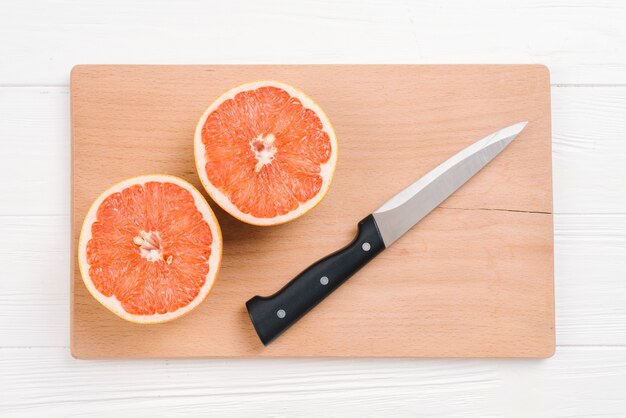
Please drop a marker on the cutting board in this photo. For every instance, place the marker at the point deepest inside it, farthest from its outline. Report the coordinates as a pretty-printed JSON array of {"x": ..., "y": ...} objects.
[{"x": 473, "y": 279}]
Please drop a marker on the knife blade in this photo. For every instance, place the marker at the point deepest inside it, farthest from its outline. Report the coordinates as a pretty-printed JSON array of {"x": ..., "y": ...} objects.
[{"x": 272, "y": 315}]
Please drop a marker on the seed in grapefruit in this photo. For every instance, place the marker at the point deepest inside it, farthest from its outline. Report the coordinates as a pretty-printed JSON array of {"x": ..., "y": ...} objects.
[
  {"x": 265, "y": 152},
  {"x": 150, "y": 248}
]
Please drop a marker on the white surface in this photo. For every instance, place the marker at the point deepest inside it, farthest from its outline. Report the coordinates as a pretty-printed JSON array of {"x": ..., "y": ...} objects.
[{"x": 584, "y": 44}]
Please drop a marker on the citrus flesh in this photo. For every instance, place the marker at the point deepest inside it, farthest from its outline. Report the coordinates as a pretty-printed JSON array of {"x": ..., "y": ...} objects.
[
  {"x": 150, "y": 248},
  {"x": 265, "y": 152}
]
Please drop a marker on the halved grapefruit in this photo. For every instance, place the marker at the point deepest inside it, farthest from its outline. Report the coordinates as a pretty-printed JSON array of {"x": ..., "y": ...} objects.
[
  {"x": 150, "y": 248},
  {"x": 265, "y": 152}
]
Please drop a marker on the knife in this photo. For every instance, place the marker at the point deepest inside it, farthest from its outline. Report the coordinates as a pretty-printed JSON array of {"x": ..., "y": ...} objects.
[{"x": 272, "y": 315}]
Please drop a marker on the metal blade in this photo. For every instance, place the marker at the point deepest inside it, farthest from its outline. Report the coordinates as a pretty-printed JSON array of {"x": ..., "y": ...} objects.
[{"x": 408, "y": 207}]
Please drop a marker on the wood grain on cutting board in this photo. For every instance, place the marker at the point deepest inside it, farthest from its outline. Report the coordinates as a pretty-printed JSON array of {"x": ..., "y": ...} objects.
[{"x": 473, "y": 279}]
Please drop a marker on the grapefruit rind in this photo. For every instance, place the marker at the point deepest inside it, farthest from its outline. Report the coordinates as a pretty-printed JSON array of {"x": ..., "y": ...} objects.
[
  {"x": 327, "y": 169},
  {"x": 111, "y": 302}
]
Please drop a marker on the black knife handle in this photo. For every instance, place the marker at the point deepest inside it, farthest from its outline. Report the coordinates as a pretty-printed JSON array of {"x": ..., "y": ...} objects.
[{"x": 272, "y": 315}]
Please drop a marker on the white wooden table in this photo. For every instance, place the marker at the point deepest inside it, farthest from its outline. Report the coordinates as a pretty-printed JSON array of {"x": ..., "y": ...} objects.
[{"x": 582, "y": 41}]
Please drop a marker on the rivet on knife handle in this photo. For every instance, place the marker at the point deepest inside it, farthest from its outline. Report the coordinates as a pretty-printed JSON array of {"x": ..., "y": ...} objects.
[{"x": 272, "y": 315}]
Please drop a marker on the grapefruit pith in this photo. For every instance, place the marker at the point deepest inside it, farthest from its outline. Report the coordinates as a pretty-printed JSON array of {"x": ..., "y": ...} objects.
[
  {"x": 150, "y": 248},
  {"x": 265, "y": 152}
]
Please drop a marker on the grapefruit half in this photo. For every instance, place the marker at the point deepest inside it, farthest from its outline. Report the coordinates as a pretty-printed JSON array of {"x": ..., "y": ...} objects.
[
  {"x": 150, "y": 248},
  {"x": 265, "y": 152}
]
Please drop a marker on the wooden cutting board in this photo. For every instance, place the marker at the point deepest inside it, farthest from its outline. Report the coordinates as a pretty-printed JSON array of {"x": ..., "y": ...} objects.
[{"x": 473, "y": 279}]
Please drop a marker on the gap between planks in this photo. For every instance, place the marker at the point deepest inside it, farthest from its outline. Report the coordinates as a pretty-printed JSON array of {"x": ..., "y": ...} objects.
[{"x": 555, "y": 85}]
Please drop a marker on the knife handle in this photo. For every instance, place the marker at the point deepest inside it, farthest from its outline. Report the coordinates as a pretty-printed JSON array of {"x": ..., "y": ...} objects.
[{"x": 272, "y": 315}]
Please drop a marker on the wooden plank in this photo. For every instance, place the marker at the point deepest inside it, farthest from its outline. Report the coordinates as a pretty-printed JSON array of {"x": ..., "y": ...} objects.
[
  {"x": 465, "y": 282},
  {"x": 582, "y": 41},
  {"x": 577, "y": 382},
  {"x": 589, "y": 273},
  {"x": 588, "y": 150}
]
